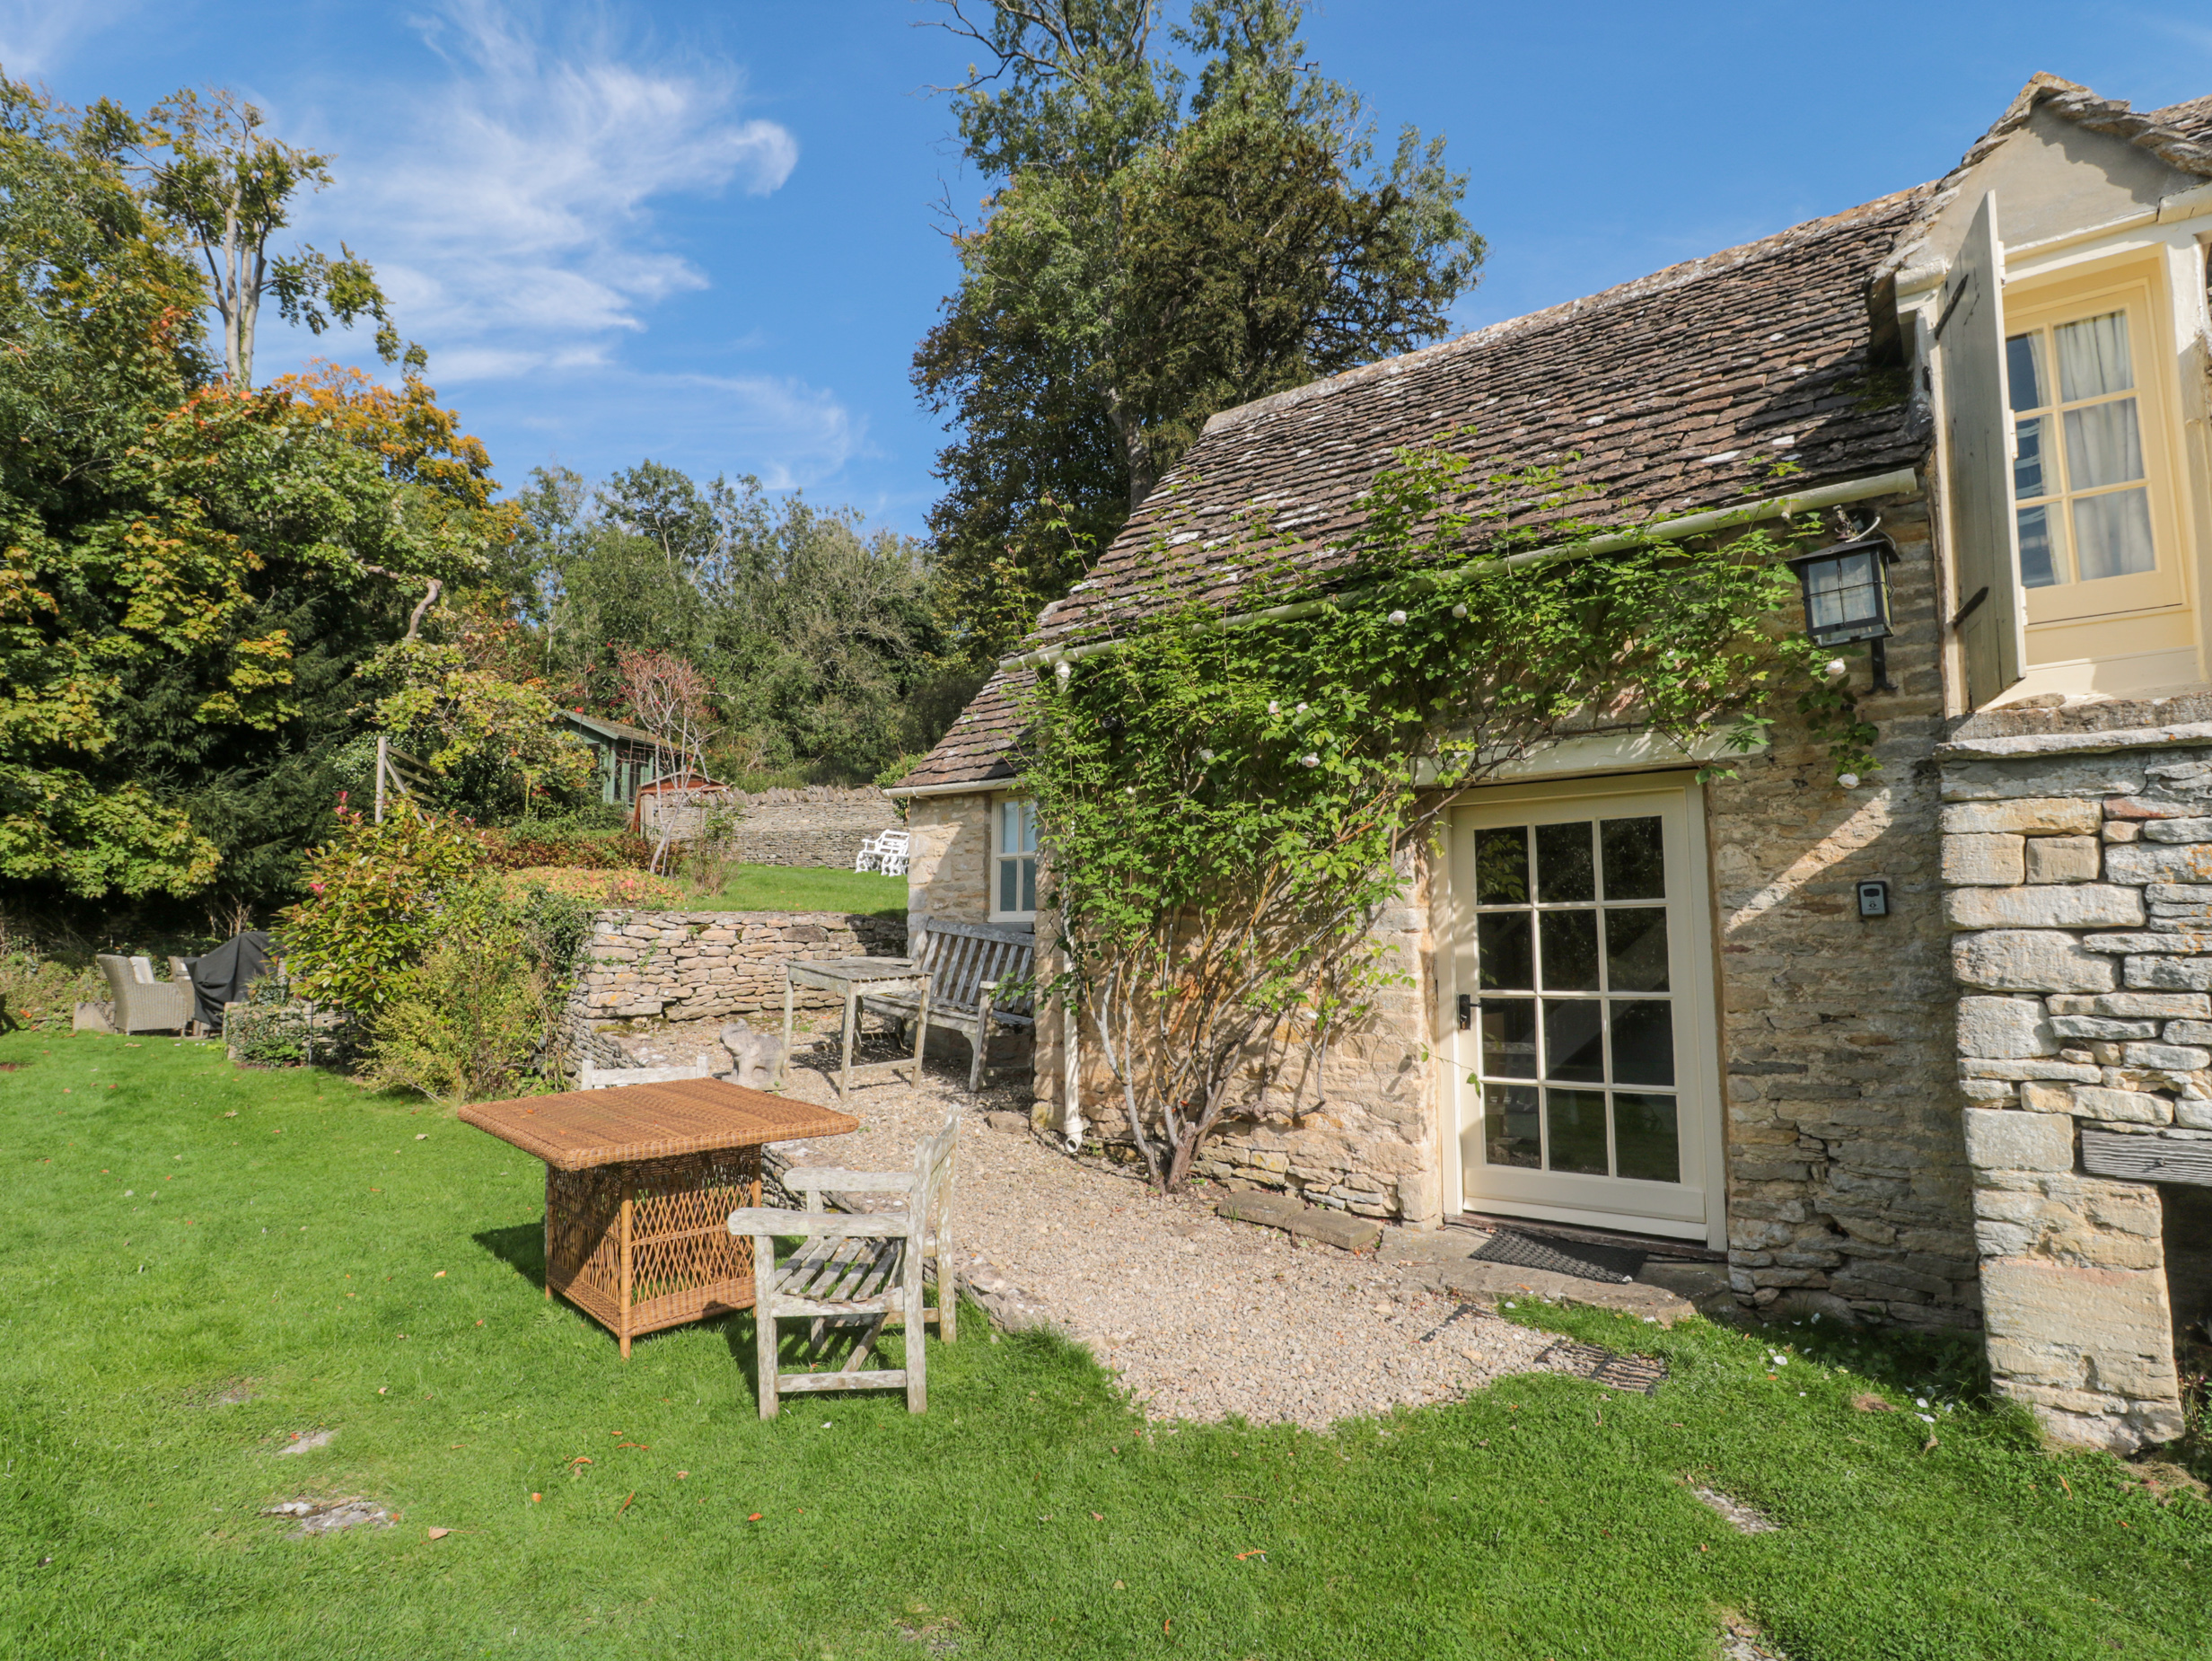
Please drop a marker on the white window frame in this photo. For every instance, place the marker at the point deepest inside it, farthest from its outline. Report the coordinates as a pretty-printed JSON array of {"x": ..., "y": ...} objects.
[
  {"x": 1024, "y": 812},
  {"x": 2132, "y": 292}
]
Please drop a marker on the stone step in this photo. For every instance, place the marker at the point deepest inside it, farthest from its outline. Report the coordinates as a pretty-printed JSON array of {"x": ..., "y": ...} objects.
[
  {"x": 1493, "y": 1283},
  {"x": 1271, "y": 1210}
]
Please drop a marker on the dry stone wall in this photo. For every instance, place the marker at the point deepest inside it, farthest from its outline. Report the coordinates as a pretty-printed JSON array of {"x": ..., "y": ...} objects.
[
  {"x": 706, "y": 965},
  {"x": 819, "y": 826},
  {"x": 2080, "y": 873}
]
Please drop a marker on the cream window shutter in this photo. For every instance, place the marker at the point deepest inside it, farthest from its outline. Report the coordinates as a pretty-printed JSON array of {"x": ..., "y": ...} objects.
[{"x": 1978, "y": 482}]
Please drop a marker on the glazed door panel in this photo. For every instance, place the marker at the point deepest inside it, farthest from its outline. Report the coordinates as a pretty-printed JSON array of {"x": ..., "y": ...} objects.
[{"x": 1582, "y": 1009}]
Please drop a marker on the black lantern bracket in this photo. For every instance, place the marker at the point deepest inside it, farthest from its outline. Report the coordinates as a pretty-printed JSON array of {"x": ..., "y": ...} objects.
[{"x": 1846, "y": 589}]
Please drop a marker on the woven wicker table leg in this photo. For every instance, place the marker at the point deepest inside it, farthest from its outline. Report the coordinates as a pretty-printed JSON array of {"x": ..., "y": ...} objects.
[
  {"x": 623, "y": 1303},
  {"x": 549, "y": 1233}
]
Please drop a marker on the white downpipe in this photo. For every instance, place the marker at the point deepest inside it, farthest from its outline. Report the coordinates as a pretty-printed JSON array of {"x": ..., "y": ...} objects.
[{"x": 1071, "y": 1074}]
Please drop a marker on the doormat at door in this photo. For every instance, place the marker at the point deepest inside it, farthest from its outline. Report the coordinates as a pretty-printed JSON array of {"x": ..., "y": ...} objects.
[{"x": 1590, "y": 1262}]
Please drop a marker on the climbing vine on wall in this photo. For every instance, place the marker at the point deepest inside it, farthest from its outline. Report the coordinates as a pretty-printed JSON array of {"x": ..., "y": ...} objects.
[{"x": 1230, "y": 811}]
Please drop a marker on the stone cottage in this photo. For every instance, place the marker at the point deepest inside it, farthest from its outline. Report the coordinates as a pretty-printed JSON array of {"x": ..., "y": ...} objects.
[{"x": 1929, "y": 1047}]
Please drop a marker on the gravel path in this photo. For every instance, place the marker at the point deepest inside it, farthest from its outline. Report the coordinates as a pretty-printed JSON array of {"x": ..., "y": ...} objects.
[{"x": 1202, "y": 1318}]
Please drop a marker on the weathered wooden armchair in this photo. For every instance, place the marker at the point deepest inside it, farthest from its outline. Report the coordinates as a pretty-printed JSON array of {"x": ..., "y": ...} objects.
[
  {"x": 142, "y": 1003},
  {"x": 856, "y": 1268},
  {"x": 969, "y": 964}
]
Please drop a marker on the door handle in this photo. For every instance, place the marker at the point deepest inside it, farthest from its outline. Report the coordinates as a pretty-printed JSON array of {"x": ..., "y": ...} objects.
[{"x": 1467, "y": 1010}]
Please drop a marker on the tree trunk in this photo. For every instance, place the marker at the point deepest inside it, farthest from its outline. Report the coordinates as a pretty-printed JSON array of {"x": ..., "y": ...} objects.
[{"x": 1135, "y": 450}]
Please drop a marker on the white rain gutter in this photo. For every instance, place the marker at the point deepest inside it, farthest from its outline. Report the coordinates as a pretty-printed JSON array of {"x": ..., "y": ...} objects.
[
  {"x": 1665, "y": 530},
  {"x": 970, "y": 788}
]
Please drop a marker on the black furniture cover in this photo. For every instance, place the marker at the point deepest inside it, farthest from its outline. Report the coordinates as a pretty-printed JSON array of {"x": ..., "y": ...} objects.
[{"x": 223, "y": 975}]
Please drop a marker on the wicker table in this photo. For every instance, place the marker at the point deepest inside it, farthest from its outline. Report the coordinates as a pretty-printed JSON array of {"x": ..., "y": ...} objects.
[
  {"x": 851, "y": 979},
  {"x": 639, "y": 1184}
]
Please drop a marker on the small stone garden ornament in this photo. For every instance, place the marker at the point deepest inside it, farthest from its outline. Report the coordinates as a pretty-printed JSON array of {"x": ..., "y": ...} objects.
[{"x": 757, "y": 1058}]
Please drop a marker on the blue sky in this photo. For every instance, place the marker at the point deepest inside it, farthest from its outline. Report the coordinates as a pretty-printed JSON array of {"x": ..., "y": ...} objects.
[{"x": 706, "y": 234}]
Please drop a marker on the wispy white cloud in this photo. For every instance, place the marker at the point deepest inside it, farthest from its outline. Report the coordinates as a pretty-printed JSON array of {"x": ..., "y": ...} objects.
[
  {"x": 788, "y": 434},
  {"x": 38, "y": 36},
  {"x": 510, "y": 206}
]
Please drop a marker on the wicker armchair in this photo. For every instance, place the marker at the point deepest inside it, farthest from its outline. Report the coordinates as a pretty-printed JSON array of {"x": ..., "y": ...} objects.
[{"x": 148, "y": 1005}]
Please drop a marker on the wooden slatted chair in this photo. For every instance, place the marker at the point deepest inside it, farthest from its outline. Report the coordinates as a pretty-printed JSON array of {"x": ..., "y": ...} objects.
[
  {"x": 857, "y": 1266},
  {"x": 969, "y": 964}
]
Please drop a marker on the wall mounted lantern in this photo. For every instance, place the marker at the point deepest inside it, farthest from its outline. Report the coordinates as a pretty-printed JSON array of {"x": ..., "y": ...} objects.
[{"x": 1846, "y": 595}]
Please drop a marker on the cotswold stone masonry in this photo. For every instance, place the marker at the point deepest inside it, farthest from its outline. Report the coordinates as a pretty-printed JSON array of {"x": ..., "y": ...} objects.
[
  {"x": 2081, "y": 886},
  {"x": 704, "y": 965},
  {"x": 818, "y": 826}
]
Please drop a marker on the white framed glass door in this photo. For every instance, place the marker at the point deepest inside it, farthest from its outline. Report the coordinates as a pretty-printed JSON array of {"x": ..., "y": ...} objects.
[{"x": 1581, "y": 1004}]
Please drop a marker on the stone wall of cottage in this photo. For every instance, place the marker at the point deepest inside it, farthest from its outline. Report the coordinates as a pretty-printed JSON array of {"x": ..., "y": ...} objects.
[
  {"x": 1848, "y": 1185},
  {"x": 1848, "y": 1190},
  {"x": 2080, "y": 863},
  {"x": 709, "y": 965},
  {"x": 949, "y": 857},
  {"x": 1360, "y": 1138}
]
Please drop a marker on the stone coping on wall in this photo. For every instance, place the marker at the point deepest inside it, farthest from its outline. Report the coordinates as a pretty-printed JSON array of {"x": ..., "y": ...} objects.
[{"x": 2077, "y": 867}]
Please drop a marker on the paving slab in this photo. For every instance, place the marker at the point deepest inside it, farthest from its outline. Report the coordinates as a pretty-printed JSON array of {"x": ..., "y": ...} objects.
[{"x": 1490, "y": 1284}]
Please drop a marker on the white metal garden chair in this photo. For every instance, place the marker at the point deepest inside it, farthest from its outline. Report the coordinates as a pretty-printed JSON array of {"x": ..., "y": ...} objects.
[
  {"x": 870, "y": 857},
  {"x": 890, "y": 852}
]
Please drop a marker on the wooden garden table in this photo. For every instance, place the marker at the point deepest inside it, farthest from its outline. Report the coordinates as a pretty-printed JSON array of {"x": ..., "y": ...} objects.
[
  {"x": 853, "y": 978},
  {"x": 639, "y": 1184}
]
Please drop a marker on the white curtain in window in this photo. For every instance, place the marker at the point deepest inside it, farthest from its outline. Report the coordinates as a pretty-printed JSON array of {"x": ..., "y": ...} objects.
[
  {"x": 2092, "y": 357},
  {"x": 2103, "y": 445},
  {"x": 2113, "y": 534}
]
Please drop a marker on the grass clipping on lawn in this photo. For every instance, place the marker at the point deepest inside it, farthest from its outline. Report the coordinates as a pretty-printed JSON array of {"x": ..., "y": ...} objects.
[{"x": 209, "y": 1264}]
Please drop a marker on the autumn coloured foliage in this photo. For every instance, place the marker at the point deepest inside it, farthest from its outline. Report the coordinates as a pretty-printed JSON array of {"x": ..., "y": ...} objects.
[{"x": 189, "y": 569}]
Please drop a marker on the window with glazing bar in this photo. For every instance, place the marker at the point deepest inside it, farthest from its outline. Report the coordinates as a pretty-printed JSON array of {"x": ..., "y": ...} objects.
[{"x": 1014, "y": 884}]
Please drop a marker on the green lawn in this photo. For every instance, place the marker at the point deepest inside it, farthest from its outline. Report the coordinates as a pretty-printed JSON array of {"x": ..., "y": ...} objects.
[
  {"x": 1028, "y": 1515},
  {"x": 801, "y": 888}
]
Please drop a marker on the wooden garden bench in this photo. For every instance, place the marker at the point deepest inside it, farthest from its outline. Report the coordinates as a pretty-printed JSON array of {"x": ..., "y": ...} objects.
[
  {"x": 968, "y": 965},
  {"x": 857, "y": 1266}
]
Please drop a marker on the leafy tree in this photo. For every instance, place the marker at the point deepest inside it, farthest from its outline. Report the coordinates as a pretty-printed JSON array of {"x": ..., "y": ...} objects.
[
  {"x": 215, "y": 174},
  {"x": 189, "y": 570},
  {"x": 1163, "y": 245},
  {"x": 818, "y": 639},
  {"x": 490, "y": 739}
]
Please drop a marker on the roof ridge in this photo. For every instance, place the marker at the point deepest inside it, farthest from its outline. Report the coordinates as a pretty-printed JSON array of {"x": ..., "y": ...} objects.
[
  {"x": 2077, "y": 103},
  {"x": 1661, "y": 281}
]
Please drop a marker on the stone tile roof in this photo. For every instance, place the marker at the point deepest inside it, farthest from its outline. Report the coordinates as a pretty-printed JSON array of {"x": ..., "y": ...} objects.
[
  {"x": 2192, "y": 119},
  {"x": 1671, "y": 394},
  {"x": 1668, "y": 395},
  {"x": 976, "y": 749}
]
